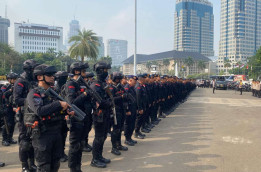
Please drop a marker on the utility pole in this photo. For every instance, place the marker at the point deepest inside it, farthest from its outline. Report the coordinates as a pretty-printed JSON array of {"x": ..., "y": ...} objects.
[{"x": 135, "y": 51}]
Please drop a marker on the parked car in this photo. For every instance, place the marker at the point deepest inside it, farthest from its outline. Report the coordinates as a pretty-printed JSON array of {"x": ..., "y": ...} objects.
[{"x": 221, "y": 83}]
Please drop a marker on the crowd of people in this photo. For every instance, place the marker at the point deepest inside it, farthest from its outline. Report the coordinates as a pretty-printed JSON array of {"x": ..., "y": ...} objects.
[{"x": 49, "y": 105}]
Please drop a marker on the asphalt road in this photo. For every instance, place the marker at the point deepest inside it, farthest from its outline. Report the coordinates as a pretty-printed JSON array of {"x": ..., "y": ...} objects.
[{"x": 209, "y": 132}]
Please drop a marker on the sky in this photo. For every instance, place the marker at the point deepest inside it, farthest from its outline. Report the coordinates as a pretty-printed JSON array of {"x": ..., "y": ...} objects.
[{"x": 111, "y": 19}]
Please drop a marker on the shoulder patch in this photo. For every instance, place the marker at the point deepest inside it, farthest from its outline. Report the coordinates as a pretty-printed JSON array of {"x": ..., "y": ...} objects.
[
  {"x": 20, "y": 84},
  {"x": 98, "y": 85}
]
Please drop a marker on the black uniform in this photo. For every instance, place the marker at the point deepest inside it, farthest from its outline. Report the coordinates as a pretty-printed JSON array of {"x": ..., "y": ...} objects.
[
  {"x": 75, "y": 96},
  {"x": 7, "y": 100},
  {"x": 46, "y": 137},
  {"x": 26, "y": 151},
  {"x": 130, "y": 120}
]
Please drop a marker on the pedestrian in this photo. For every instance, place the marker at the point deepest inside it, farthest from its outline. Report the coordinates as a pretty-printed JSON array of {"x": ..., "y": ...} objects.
[
  {"x": 241, "y": 87},
  {"x": 43, "y": 119}
]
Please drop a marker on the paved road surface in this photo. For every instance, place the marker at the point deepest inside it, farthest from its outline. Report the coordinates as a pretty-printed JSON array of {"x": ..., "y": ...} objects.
[{"x": 209, "y": 132}]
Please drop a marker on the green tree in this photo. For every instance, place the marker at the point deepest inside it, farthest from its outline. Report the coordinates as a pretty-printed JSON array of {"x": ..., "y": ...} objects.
[
  {"x": 188, "y": 62},
  {"x": 201, "y": 65},
  {"x": 227, "y": 64},
  {"x": 85, "y": 44}
]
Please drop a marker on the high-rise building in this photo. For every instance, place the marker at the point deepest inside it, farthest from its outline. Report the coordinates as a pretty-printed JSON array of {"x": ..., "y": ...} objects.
[
  {"x": 74, "y": 30},
  {"x": 101, "y": 47},
  {"x": 4, "y": 24},
  {"x": 240, "y": 31},
  {"x": 117, "y": 50},
  {"x": 38, "y": 38},
  {"x": 194, "y": 26}
]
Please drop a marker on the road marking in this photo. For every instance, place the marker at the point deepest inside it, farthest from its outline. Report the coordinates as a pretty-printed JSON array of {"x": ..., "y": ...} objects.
[{"x": 236, "y": 140}]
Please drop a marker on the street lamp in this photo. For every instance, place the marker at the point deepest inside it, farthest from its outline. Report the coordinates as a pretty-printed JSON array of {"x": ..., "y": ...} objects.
[{"x": 135, "y": 51}]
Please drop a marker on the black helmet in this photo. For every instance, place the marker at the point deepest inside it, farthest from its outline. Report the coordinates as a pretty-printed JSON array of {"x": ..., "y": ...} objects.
[
  {"x": 116, "y": 75},
  {"x": 89, "y": 74},
  {"x": 12, "y": 76},
  {"x": 101, "y": 65},
  {"x": 29, "y": 64},
  {"x": 44, "y": 70},
  {"x": 78, "y": 66},
  {"x": 61, "y": 74}
]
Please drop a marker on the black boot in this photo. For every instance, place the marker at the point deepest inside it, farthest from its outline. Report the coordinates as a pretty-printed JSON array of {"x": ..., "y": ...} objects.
[
  {"x": 76, "y": 169},
  {"x": 64, "y": 158},
  {"x": 129, "y": 142},
  {"x": 122, "y": 148},
  {"x": 97, "y": 163},
  {"x": 139, "y": 135},
  {"x": 32, "y": 166},
  {"x": 5, "y": 143},
  {"x": 133, "y": 141},
  {"x": 115, "y": 151},
  {"x": 2, "y": 164},
  {"x": 104, "y": 160},
  {"x": 12, "y": 141},
  {"x": 87, "y": 147},
  {"x": 25, "y": 167}
]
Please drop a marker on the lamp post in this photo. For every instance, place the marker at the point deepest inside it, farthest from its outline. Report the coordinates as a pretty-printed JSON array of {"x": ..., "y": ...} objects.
[{"x": 135, "y": 51}]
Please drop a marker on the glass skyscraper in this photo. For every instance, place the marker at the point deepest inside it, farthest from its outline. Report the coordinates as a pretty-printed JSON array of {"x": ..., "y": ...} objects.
[
  {"x": 74, "y": 30},
  {"x": 240, "y": 31},
  {"x": 4, "y": 24},
  {"x": 194, "y": 26}
]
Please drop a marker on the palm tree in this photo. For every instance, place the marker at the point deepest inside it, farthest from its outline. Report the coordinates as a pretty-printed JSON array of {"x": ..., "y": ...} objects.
[
  {"x": 148, "y": 65},
  {"x": 189, "y": 62},
  {"x": 201, "y": 65},
  {"x": 227, "y": 64},
  {"x": 85, "y": 44}
]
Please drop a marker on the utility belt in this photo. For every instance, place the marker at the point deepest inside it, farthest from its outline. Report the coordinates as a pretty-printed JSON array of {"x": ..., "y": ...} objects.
[{"x": 48, "y": 123}]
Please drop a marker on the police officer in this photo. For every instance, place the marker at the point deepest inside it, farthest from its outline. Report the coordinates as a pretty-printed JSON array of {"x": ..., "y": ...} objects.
[
  {"x": 7, "y": 101},
  {"x": 121, "y": 106},
  {"x": 141, "y": 103},
  {"x": 61, "y": 78},
  {"x": 130, "y": 119},
  {"x": 88, "y": 77},
  {"x": 101, "y": 115},
  {"x": 21, "y": 88},
  {"x": 75, "y": 95},
  {"x": 43, "y": 117}
]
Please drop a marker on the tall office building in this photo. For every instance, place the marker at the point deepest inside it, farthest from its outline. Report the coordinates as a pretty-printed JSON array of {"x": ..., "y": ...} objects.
[
  {"x": 4, "y": 24},
  {"x": 74, "y": 28},
  {"x": 37, "y": 38},
  {"x": 101, "y": 47},
  {"x": 240, "y": 31},
  {"x": 117, "y": 50},
  {"x": 194, "y": 26}
]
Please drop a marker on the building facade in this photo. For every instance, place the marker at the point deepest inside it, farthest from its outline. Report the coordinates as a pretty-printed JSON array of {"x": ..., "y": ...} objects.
[
  {"x": 4, "y": 24},
  {"x": 100, "y": 47},
  {"x": 194, "y": 26},
  {"x": 174, "y": 57},
  {"x": 240, "y": 31},
  {"x": 74, "y": 28},
  {"x": 38, "y": 38},
  {"x": 117, "y": 50}
]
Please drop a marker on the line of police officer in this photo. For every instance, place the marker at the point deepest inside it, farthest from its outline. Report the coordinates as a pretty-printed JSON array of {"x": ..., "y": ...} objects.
[{"x": 131, "y": 104}]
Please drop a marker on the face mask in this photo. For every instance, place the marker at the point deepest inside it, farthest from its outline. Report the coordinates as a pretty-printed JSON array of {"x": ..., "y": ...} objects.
[{"x": 102, "y": 76}]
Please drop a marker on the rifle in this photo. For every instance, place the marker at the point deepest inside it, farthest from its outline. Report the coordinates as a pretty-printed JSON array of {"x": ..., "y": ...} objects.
[
  {"x": 6, "y": 126},
  {"x": 93, "y": 93},
  {"x": 108, "y": 91},
  {"x": 79, "y": 115}
]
